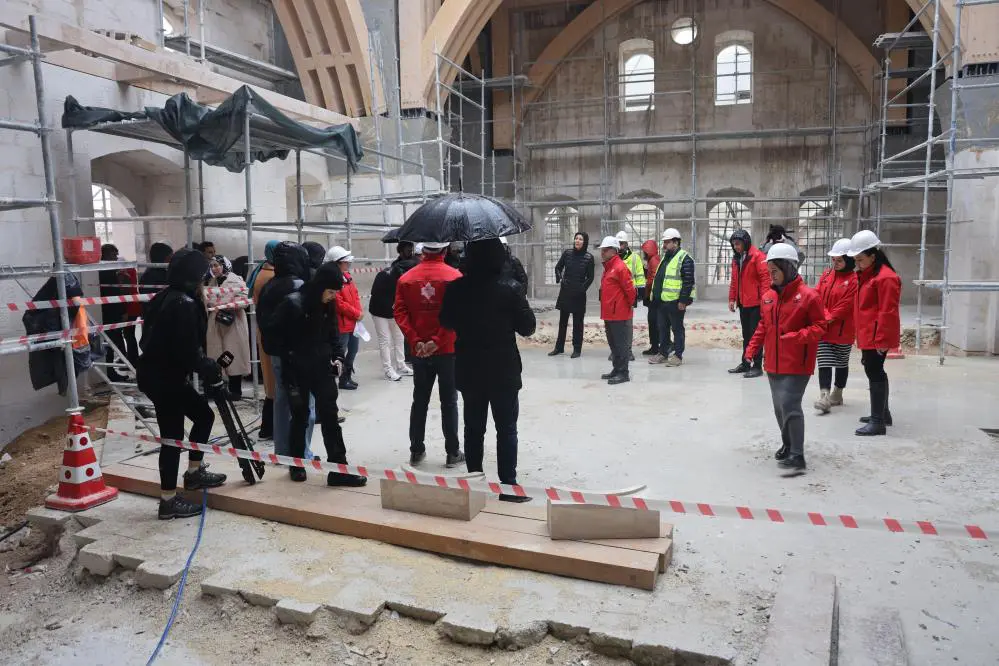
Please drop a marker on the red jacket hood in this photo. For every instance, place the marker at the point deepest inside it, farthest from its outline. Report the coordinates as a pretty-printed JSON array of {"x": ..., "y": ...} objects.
[{"x": 650, "y": 248}]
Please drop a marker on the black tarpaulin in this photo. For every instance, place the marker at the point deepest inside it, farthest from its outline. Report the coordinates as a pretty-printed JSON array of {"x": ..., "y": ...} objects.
[{"x": 215, "y": 136}]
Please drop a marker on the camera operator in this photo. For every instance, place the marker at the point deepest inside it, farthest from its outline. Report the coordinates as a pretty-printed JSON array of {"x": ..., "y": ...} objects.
[
  {"x": 311, "y": 359},
  {"x": 173, "y": 347}
]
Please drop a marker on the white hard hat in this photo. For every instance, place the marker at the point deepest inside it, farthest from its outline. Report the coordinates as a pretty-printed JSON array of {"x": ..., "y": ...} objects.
[
  {"x": 671, "y": 234},
  {"x": 840, "y": 248},
  {"x": 436, "y": 246},
  {"x": 783, "y": 251},
  {"x": 861, "y": 241},
  {"x": 622, "y": 236},
  {"x": 611, "y": 242},
  {"x": 504, "y": 240},
  {"x": 418, "y": 249},
  {"x": 337, "y": 253}
]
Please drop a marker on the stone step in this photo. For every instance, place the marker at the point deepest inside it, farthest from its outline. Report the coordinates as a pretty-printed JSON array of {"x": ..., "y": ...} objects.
[
  {"x": 870, "y": 636},
  {"x": 803, "y": 620}
]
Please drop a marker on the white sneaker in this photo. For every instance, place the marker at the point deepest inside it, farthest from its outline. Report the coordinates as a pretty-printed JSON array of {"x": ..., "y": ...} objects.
[
  {"x": 406, "y": 371},
  {"x": 392, "y": 375}
]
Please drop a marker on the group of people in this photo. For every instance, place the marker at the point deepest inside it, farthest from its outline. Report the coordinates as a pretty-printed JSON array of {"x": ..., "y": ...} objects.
[
  {"x": 458, "y": 327},
  {"x": 787, "y": 327}
]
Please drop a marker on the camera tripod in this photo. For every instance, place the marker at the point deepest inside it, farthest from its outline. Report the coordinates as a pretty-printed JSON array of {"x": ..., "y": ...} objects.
[{"x": 234, "y": 427}]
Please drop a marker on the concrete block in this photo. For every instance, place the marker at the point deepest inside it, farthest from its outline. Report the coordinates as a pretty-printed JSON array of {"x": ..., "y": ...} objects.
[
  {"x": 566, "y": 630},
  {"x": 128, "y": 558},
  {"x": 357, "y": 606},
  {"x": 292, "y": 611},
  {"x": 219, "y": 585},
  {"x": 431, "y": 500},
  {"x": 87, "y": 520},
  {"x": 48, "y": 519},
  {"x": 97, "y": 558},
  {"x": 468, "y": 628},
  {"x": 870, "y": 637},
  {"x": 417, "y": 612},
  {"x": 258, "y": 598},
  {"x": 802, "y": 621},
  {"x": 522, "y": 636},
  {"x": 87, "y": 536},
  {"x": 568, "y": 520},
  {"x": 158, "y": 575},
  {"x": 661, "y": 653},
  {"x": 610, "y": 643}
]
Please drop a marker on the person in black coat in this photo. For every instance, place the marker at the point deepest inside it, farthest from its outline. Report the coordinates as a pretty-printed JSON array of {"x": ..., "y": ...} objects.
[
  {"x": 112, "y": 283},
  {"x": 574, "y": 271},
  {"x": 154, "y": 278},
  {"x": 48, "y": 366},
  {"x": 513, "y": 271},
  {"x": 173, "y": 348},
  {"x": 391, "y": 342},
  {"x": 487, "y": 314},
  {"x": 311, "y": 359},
  {"x": 317, "y": 255}
]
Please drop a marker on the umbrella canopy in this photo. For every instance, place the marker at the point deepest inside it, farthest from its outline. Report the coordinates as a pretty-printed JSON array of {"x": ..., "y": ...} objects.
[
  {"x": 392, "y": 236},
  {"x": 460, "y": 217}
]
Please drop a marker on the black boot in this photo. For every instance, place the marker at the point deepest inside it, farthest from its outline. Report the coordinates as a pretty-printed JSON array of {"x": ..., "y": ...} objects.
[
  {"x": 887, "y": 417},
  {"x": 608, "y": 375},
  {"x": 298, "y": 474},
  {"x": 782, "y": 452},
  {"x": 753, "y": 372},
  {"x": 346, "y": 480},
  {"x": 556, "y": 352},
  {"x": 346, "y": 383},
  {"x": 576, "y": 353},
  {"x": 793, "y": 463},
  {"x": 879, "y": 400},
  {"x": 620, "y": 378},
  {"x": 266, "y": 420},
  {"x": 739, "y": 369}
]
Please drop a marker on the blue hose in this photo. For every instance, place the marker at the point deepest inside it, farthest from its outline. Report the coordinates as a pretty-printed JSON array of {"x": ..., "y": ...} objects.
[{"x": 183, "y": 580}]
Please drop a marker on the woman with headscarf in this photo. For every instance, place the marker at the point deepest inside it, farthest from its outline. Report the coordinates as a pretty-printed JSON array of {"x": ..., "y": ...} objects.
[
  {"x": 574, "y": 271},
  {"x": 262, "y": 274},
  {"x": 228, "y": 330},
  {"x": 838, "y": 289}
]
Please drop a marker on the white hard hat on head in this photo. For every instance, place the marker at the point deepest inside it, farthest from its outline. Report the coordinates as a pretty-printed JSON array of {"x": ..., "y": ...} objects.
[
  {"x": 622, "y": 236},
  {"x": 783, "y": 251},
  {"x": 840, "y": 248},
  {"x": 671, "y": 234},
  {"x": 436, "y": 246},
  {"x": 611, "y": 242},
  {"x": 337, "y": 253},
  {"x": 862, "y": 241},
  {"x": 504, "y": 240},
  {"x": 418, "y": 249}
]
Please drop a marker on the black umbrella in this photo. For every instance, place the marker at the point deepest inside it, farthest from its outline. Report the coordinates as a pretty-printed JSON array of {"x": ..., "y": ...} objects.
[
  {"x": 392, "y": 236},
  {"x": 460, "y": 217}
]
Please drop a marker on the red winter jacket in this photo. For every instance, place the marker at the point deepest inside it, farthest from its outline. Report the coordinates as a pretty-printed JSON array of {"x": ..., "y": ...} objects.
[
  {"x": 877, "y": 318},
  {"x": 617, "y": 291},
  {"x": 751, "y": 281},
  {"x": 838, "y": 290},
  {"x": 418, "y": 299},
  {"x": 131, "y": 277},
  {"x": 348, "y": 305},
  {"x": 651, "y": 250},
  {"x": 791, "y": 325}
]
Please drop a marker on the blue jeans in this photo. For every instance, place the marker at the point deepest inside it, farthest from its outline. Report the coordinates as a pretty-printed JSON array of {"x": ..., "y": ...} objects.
[
  {"x": 282, "y": 416},
  {"x": 350, "y": 343}
]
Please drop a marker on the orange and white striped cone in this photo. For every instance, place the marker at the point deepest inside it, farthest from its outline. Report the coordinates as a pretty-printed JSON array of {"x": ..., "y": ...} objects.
[{"x": 81, "y": 485}]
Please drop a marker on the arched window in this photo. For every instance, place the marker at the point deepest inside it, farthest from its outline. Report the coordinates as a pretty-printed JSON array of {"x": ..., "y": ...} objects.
[
  {"x": 561, "y": 224},
  {"x": 103, "y": 207},
  {"x": 724, "y": 218},
  {"x": 167, "y": 27},
  {"x": 819, "y": 226},
  {"x": 637, "y": 75},
  {"x": 734, "y": 75},
  {"x": 642, "y": 224}
]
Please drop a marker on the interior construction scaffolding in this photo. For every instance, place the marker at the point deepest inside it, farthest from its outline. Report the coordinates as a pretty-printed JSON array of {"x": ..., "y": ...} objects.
[
  {"x": 928, "y": 165},
  {"x": 665, "y": 132}
]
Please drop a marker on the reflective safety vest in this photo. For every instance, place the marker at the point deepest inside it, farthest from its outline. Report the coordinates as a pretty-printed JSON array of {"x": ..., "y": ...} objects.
[
  {"x": 637, "y": 268},
  {"x": 672, "y": 282},
  {"x": 81, "y": 336}
]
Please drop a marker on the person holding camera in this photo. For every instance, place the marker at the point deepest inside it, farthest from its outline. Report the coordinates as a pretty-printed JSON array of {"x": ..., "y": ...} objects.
[
  {"x": 228, "y": 330},
  {"x": 173, "y": 348},
  {"x": 312, "y": 357}
]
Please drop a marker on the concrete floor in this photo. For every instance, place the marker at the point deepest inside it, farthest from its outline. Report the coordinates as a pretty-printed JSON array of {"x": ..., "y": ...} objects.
[{"x": 698, "y": 434}]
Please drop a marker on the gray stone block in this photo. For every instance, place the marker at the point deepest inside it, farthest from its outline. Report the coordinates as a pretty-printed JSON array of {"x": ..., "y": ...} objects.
[
  {"x": 566, "y": 629},
  {"x": 258, "y": 598},
  {"x": 417, "y": 612},
  {"x": 358, "y": 606},
  {"x": 610, "y": 643},
  {"x": 219, "y": 585},
  {"x": 127, "y": 558},
  {"x": 158, "y": 575},
  {"x": 801, "y": 626},
  {"x": 521, "y": 636},
  {"x": 292, "y": 611},
  {"x": 678, "y": 645},
  {"x": 49, "y": 519},
  {"x": 97, "y": 559},
  {"x": 468, "y": 628},
  {"x": 870, "y": 636}
]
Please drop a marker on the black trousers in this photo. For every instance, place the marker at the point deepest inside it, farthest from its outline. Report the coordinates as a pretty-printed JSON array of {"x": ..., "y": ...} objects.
[
  {"x": 173, "y": 403},
  {"x": 672, "y": 336},
  {"x": 316, "y": 379},
  {"x": 619, "y": 337},
  {"x": 505, "y": 405},
  {"x": 874, "y": 364},
  {"x": 577, "y": 329},
  {"x": 826, "y": 377},
  {"x": 653, "y": 319},
  {"x": 425, "y": 372},
  {"x": 123, "y": 339},
  {"x": 750, "y": 319}
]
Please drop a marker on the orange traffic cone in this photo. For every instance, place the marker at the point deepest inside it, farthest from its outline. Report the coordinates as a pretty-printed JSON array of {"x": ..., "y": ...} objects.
[{"x": 81, "y": 485}]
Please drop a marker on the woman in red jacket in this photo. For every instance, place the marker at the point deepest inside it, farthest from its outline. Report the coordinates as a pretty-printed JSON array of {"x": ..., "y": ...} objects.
[
  {"x": 348, "y": 313},
  {"x": 879, "y": 329},
  {"x": 838, "y": 289},
  {"x": 792, "y": 322}
]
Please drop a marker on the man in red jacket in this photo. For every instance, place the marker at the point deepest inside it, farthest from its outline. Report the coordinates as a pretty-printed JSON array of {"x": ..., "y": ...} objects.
[
  {"x": 750, "y": 280},
  {"x": 617, "y": 304},
  {"x": 418, "y": 299},
  {"x": 791, "y": 324}
]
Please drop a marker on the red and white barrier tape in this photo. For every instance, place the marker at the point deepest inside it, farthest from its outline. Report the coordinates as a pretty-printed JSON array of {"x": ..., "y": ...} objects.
[
  {"x": 66, "y": 334},
  {"x": 814, "y": 519},
  {"x": 79, "y": 300},
  {"x": 689, "y": 327},
  {"x": 238, "y": 303}
]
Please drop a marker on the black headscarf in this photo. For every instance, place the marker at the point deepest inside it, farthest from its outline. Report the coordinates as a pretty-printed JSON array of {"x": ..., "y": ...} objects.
[
  {"x": 317, "y": 254},
  {"x": 484, "y": 259},
  {"x": 186, "y": 270},
  {"x": 328, "y": 276},
  {"x": 586, "y": 241}
]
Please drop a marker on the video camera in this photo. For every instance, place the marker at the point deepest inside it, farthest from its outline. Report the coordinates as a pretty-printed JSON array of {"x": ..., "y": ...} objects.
[{"x": 238, "y": 437}]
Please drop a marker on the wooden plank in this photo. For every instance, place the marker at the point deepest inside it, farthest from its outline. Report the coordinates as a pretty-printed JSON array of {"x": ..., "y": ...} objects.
[{"x": 355, "y": 514}]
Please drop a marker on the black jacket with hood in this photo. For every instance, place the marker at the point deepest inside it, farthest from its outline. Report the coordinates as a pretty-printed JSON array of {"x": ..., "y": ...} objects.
[
  {"x": 317, "y": 255},
  {"x": 487, "y": 314},
  {"x": 291, "y": 271},
  {"x": 513, "y": 272},
  {"x": 48, "y": 366},
  {"x": 311, "y": 337},
  {"x": 383, "y": 288},
  {"x": 174, "y": 326},
  {"x": 159, "y": 253},
  {"x": 574, "y": 271}
]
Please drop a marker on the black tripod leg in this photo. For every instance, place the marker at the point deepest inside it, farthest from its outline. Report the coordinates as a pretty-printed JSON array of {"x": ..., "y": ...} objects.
[{"x": 226, "y": 411}]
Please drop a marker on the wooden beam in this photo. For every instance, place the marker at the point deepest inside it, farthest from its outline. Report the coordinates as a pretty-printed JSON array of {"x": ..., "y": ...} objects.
[
  {"x": 174, "y": 67},
  {"x": 502, "y": 116}
]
